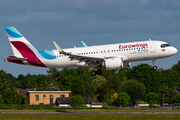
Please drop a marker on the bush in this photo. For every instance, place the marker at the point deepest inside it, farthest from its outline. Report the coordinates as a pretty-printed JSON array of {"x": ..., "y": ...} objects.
[
  {"x": 151, "y": 98},
  {"x": 123, "y": 98},
  {"x": 107, "y": 98},
  {"x": 77, "y": 101}
]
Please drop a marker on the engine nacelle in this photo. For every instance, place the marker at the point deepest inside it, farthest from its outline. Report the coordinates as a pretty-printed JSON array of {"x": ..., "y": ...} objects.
[
  {"x": 126, "y": 64},
  {"x": 113, "y": 63}
]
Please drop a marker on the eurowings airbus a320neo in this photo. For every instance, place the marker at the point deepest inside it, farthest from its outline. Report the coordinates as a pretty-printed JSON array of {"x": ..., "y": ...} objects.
[{"x": 111, "y": 57}]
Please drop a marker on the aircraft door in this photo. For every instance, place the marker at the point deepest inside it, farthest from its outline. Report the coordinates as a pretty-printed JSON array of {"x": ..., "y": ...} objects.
[{"x": 152, "y": 47}]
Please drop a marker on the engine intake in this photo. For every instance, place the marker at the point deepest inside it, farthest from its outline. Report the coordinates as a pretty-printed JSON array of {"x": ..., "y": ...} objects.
[{"x": 113, "y": 63}]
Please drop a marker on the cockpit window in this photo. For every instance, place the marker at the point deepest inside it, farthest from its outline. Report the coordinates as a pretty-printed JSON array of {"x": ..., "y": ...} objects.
[{"x": 164, "y": 45}]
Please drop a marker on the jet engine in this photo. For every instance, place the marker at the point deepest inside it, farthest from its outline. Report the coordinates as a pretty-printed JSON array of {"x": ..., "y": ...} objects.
[
  {"x": 126, "y": 64},
  {"x": 113, "y": 63}
]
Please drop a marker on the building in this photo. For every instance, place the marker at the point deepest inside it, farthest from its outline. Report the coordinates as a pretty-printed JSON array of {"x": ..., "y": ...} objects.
[
  {"x": 45, "y": 97},
  {"x": 24, "y": 91},
  {"x": 65, "y": 102}
]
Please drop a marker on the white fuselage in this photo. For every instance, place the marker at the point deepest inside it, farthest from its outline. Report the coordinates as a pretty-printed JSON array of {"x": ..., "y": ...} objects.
[{"x": 132, "y": 51}]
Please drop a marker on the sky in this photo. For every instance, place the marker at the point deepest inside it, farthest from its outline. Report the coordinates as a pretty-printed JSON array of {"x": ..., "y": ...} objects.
[{"x": 96, "y": 22}]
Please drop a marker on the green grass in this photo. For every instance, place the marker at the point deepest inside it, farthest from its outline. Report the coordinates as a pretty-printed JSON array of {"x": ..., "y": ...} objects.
[
  {"x": 89, "y": 116},
  {"x": 83, "y": 110},
  {"x": 84, "y": 116}
]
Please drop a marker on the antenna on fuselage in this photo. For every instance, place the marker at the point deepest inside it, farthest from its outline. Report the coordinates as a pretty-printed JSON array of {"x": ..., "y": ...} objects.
[{"x": 149, "y": 39}]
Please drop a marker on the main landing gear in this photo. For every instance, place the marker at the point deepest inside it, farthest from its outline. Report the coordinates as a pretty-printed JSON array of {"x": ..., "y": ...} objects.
[
  {"x": 154, "y": 63},
  {"x": 94, "y": 73}
]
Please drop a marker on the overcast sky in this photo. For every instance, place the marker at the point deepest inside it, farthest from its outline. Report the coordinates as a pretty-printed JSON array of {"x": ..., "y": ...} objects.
[{"x": 95, "y": 22}]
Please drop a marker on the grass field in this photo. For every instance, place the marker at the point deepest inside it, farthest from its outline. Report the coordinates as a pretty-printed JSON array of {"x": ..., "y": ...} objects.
[
  {"x": 98, "y": 116},
  {"x": 84, "y": 110},
  {"x": 88, "y": 116}
]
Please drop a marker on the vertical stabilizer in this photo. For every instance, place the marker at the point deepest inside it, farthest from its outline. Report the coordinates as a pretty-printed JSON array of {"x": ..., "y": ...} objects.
[
  {"x": 22, "y": 48},
  {"x": 18, "y": 41}
]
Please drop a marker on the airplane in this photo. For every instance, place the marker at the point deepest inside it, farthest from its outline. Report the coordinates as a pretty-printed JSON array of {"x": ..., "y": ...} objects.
[{"x": 111, "y": 56}]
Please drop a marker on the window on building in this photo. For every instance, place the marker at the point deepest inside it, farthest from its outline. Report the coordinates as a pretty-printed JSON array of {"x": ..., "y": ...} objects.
[
  {"x": 62, "y": 96},
  {"x": 36, "y": 97},
  {"x": 44, "y": 96},
  {"x": 51, "y": 96}
]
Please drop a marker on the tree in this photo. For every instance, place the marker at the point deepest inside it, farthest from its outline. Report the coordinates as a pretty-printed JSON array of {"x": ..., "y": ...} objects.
[
  {"x": 97, "y": 81},
  {"x": 176, "y": 67},
  {"x": 77, "y": 86},
  {"x": 4, "y": 80},
  {"x": 69, "y": 75},
  {"x": 76, "y": 101},
  {"x": 176, "y": 99},
  {"x": 113, "y": 84},
  {"x": 20, "y": 77},
  {"x": 123, "y": 98},
  {"x": 107, "y": 98},
  {"x": 146, "y": 74},
  {"x": 170, "y": 95},
  {"x": 114, "y": 98},
  {"x": 134, "y": 89},
  {"x": 65, "y": 79},
  {"x": 163, "y": 94},
  {"x": 21, "y": 99},
  {"x": 151, "y": 98},
  {"x": 170, "y": 78},
  {"x": 41, "y": 80},
  {"x": 1, "y": 99},
  {"x": 52, "y": 71},
  {"x": 10, "y": 96},
  {"x": 107, "y": 73}
]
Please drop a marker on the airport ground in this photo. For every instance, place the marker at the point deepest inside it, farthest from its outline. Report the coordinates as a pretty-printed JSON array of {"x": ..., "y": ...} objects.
[{"x": 89, "y": 114}]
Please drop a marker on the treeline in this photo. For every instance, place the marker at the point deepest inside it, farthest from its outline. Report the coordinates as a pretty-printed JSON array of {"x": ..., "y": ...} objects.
[{"x": 127, "y": 86}]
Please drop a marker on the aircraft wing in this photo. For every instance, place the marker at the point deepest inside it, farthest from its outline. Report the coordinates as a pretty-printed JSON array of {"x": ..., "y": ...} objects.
[
  {"x": 84, "y": 45},
  {"x": 82, "y": 58},
  {"x": 87, "y": 59}
]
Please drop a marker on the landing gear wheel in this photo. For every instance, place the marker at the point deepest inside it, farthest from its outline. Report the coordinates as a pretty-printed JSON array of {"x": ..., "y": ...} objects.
[
  {"x": 155, "y": 67},
  {"x": 99, "y": 72},
  {"x": 93, "y": 73}
]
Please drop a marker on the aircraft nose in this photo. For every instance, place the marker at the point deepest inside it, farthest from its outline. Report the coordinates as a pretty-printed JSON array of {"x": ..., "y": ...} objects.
[{"x": 174, "y": 50}]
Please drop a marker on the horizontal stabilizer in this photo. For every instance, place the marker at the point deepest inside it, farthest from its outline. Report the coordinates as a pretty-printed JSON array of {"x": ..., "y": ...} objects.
[{"x": 14, "y": 58}]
